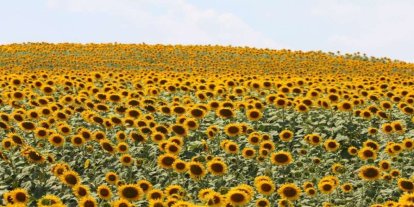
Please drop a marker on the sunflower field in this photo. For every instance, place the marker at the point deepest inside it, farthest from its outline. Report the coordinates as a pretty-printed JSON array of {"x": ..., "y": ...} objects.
[{"x": 181, "y": 126}]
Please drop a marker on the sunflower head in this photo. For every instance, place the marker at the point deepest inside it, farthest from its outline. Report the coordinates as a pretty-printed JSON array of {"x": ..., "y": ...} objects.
[
  {"x": 217, "y": 168},
  {"x": 289, "y": 191},
  {"x": 196, "y": 170},
  {"x": 286, "y": 135},
  {"x": 369, "y": 173},
  {"x": 131, "y": 192},
  {"x": 104, "y": 192},
  {"x": 281, "y": 158},
  {"x": 19, "y": 196}
]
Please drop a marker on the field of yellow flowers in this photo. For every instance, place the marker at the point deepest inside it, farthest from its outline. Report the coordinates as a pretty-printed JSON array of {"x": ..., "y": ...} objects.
[{"x": 180, "y": 126}]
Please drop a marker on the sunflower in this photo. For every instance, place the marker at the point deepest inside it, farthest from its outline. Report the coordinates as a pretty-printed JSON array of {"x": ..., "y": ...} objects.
[
  {"x": 217, "y": 168},
  {"x": 337, "y": 168},
  {"x": 56, "y": 140},
  {"x": 121, "y": 136},
  {"x": 155, "y": 194},
  {"x": 371, "y": 143},
  {"x": 104, "y": 192},
  {"x": 280, "y": 102},
  {"x": 161, "y": 145},
  {"x": 397, "y": 127},
  {"x": 352, "y": 150},
  {"x": 367, "y": 153},
  {"x": 232, "y": 129},
  {"x": 122, "y": 147},
  {"x": 248, "y": 153},
  {"x": 133, "y": 113},
  {"x": 115, "y": 98},
  {"x": 34, "y": 156},
  {"x": 396, "y": 148},
  {"x": 369, "y": 173},
  {"x": 181, "y": 203},
  {"x": 191, "y": 123},
  {"x": 126, "y": 160},
  {"x": 302, "y": 108},
  {"x": 310, "y": 191},
  {"x": 387, "y": 128},
  {"x": 166, "y": 160},
  {"x": 313, "y": 139},
  {"x": 269, "y": 145},
  {"x": 121, "y": 203},
  {"x": 395, "y": 173},
  {"x": 77, "y": 141},
  {"x": 17, "y": 95},
  {"x": 289, "y": 191},
  {"x": 408, "y": 144},
  {"x": 211, "y": 133},
  {"x": 327, "y": 204},
  {"x": 254, "y": 138},
  {"x": 20, "y": 196},
  {"x": 180, "y": 166},
  {"x": 346, "y": 187},
  {"x": 27, "y": 126},
  {"x": 384, "y": 165},
  {"x": 156, "y": 203},
  {"x": 237, "y": 197},
  {"x": 4, "y": 125},
  {"x": 203, "y": 194},
  {"x": 254, "y": 114},
  {"x": 85, "y": 134},
  {"x": 345, "y": 106},
  {"x": 156, "y": 137},
  {"x": 283, "y": 202},
  {"x": 64, "y": 129},
  {"x": 178, "y": 140},
  {"x": 408, "y": 110},
  {"x": 16, "y": 139},
  {"x": 281, "y": 158},
  {"x": 406, "y": 198},
  {"x": 70, "y": 178},
  {"x": 213, "y": 104},
  {"x": 225, "y": 112},
  {"x": 366, "y": 114},
  {"x": 405, "y": 185},
  {"x": 111, "y": 177},
  {"x": 7, "y": 143},
  {"x": 179, "y": 130},
  {"x": 331, "y": 145},
  {"x": 372, "y": 131},
  {"x": 107, "y": 146},
  {"x": 197, "y": 113},
  {"x": 174, "y": 190},
  {"x": 262, "y": 202},
  {"x": 131, "y": 192},
  {"x": 215, "y": 199},
  {"x": 307, "y": 184},
  {"x": 145, "y": 185},
  {"x": 172, "y": 148},
  {"x": 196, "y": 170},
  {"x": 49, "y": 200},
  {"x": 81, "y": 190},
  {"x": 178, "y": 110},
  {"x": 265, "y": 187},
  {"x": 286, "y": 135},
  {"x": 231, "y": 147},
  {"x": 389, "y": 204},
  {"x": 326, "y": 186},
  {"x": 59, "y": 168}
]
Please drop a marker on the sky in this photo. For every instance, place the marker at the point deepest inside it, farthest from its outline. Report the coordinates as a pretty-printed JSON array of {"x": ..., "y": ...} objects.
[{"x": 380, "y": 28}]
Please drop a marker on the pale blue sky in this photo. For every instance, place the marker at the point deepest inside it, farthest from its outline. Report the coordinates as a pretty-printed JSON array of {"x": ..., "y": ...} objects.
[{"x": 375, "y": 27}]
